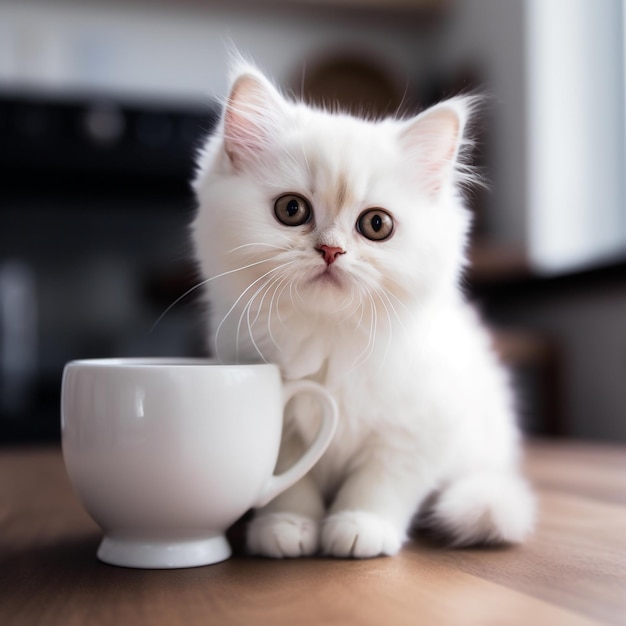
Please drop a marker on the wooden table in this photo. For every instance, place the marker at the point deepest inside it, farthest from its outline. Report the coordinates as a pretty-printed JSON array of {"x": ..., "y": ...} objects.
[{"x": 573, "y": 571}]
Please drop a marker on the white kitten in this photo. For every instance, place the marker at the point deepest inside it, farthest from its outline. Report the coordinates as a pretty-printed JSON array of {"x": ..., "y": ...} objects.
[{"x": 333, "y": 247}]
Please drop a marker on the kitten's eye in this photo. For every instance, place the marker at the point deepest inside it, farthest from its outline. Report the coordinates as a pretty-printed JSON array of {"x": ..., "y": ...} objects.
[
  {"x": 375, "y": 224},
  {"x": 292, "y": 210}
]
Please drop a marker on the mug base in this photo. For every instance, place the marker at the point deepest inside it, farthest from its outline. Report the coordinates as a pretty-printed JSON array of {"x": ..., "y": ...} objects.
[{"x": 163, "y": 555}]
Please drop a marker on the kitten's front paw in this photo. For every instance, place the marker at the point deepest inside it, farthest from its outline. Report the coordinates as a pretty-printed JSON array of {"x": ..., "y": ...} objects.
[
  {"x": 282, "y": 535},
  {"x": 359, "y": 535}
]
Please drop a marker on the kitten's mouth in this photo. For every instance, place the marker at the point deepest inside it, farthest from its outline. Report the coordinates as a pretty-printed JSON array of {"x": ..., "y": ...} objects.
[{"x": 329, "y": 275}]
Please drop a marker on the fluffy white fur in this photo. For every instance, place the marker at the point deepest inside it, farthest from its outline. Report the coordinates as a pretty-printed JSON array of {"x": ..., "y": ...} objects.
[{"x": 425, "y": 406}]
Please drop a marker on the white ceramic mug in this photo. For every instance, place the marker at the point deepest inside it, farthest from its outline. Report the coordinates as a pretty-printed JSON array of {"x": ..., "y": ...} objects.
[{"x": 166, "y": 454}]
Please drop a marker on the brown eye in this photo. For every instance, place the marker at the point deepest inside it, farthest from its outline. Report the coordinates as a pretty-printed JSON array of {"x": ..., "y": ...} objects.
[
  {"x": 375, "y": 224},
  {"x": 292, "y": 210}
]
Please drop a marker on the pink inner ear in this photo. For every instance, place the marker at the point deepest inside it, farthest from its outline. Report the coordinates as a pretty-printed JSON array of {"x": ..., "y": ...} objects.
[
  {"x": 248, "y": 119},
  {"x": 433, "y": 141}
]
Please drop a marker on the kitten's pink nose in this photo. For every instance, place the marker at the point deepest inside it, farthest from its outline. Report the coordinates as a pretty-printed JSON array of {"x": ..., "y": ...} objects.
[{"x": 330, "y": 253}]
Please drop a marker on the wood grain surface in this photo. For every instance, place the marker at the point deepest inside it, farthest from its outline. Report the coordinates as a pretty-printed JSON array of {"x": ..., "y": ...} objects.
[{"x": 572, "y": 571}]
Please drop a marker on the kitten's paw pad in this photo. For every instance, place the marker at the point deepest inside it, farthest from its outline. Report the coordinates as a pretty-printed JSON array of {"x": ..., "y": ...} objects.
[
  {"x": 486, "y": 509},
  {"x": 359, "y": 535},
  {"x": 282, "y": 535}
]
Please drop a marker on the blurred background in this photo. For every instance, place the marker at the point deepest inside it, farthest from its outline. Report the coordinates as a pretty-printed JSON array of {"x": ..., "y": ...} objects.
[{"x": 103, "y": 103}]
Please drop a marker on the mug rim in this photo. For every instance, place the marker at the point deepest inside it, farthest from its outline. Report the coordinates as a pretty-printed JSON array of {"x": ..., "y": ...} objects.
[{"x": 162, "y": 362}]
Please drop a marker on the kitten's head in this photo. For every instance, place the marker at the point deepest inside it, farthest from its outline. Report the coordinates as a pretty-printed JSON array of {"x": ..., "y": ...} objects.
[{"x": 336, "y": 210}]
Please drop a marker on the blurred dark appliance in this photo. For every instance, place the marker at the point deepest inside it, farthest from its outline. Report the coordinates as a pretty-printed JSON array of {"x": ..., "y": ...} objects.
[{"x": 94, "y": 208}]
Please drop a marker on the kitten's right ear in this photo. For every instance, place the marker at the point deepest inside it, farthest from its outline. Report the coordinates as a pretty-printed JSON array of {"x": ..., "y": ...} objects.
[
  {"x": 251, "y": 117},
  {"x": 436, "y": 143}
]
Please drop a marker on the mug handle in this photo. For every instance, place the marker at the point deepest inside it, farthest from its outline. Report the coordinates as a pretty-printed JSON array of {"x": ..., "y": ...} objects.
[{"x": 279, "y": 483}]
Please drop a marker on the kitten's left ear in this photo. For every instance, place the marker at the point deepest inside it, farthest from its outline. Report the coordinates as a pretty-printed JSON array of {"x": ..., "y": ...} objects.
[{"x": 434, "y": 139}]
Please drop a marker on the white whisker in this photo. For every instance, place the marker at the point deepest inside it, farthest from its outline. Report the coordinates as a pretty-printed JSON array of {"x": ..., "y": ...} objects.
[
  {"x": 347, "y": 306},
  {"x": 402, "y": 304},
  {"x": 368, "y": 351},
  {"x": 298, "y": 293},
  {"x": 248, "y": 245},
  {"x": 201, "y": 284},
  {"x": 386, "y": 294},
  {"x": 298, "y": 296},
  {"x": 250, "y": 333},
  {"x": 273, "y": 299},
  {"x": 280, "y": 294},
  {"x": 293, "y": 304},
  {"x": 379, "y": 293},
  {"x": 264, "y": 287},
  {"x": 402, "y": 285},
  {"x": 409, "y": 365},
  {"x": 360, "y": 320},
  {"x": 248, "y": 308},
  {"x": 374, "y": 328},
  {"x": 238, "y": 300},
  {"x": 275, "y": 280}
]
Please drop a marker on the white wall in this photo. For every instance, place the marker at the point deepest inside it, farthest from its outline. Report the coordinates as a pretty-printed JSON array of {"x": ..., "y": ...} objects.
[
  {"x": 554, "y": 71},
  {"x": 489, "y": 35},
  {"x": 180, "y": 51},
  {"x": 576, "y": 141}
]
